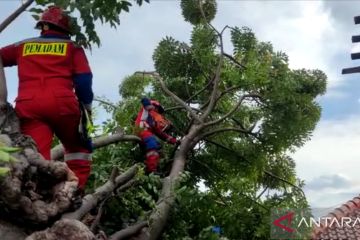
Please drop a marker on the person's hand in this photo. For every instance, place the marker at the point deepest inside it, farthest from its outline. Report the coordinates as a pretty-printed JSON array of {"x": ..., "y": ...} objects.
[{"x": 172, "y": 140}]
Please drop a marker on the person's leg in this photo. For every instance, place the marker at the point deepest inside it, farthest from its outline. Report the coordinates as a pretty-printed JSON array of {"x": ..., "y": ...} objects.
[
  {"x": 152, "y": 153},
  {"x": 77, "y": 157},
  {"x": 40, "y": 132}
]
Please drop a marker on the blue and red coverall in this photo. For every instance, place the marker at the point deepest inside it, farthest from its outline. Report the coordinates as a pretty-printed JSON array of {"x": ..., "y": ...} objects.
[
  {"x": 147, "y": 133},
  {"x": 54, "y": 75}
]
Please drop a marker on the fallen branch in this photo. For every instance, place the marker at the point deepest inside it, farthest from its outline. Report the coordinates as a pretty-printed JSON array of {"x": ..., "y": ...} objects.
[
  {"x": 98, "y": 215},
  {"x": 90, "y": 201},
  {"x": 129, "y": 231},
  {"x": 58, "y": 151}
]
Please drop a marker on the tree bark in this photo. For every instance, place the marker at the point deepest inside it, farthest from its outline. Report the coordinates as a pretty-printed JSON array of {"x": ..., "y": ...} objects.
[
  {"x": 128, "y": 232},
  {"x": 3, "y": 88},
  {"x": 159, "y": 216},
  {"x": 9, "y": 231},
  {"x": 22, "y": 190},
  {"x": 67, "y": 229}
]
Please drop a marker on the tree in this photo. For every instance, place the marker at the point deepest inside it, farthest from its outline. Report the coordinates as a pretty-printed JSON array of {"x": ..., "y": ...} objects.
[{"x": 239, "y": 114}]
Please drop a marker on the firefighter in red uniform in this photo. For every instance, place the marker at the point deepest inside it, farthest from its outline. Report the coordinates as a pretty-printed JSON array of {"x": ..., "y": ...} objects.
[
  {"x": 150, "y": 123},
  {"x": 54, "y": 79}
]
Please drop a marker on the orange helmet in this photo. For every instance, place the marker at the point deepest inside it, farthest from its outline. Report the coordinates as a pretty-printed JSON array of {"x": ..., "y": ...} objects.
[{"x": 55, "y": 16}]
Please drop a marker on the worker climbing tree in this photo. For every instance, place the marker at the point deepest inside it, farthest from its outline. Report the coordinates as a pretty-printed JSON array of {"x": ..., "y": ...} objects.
[{"x": 149, "y": 124}]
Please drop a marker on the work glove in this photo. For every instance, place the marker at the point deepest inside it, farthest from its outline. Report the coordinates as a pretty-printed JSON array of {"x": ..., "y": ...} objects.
[
  {"x": 76, "y": 201},
  {"x": 172, "y": 140},
  {"x": 178, "y": 142}
]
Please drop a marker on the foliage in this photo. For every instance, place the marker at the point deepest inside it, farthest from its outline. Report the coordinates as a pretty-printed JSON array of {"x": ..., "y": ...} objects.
[
  {"x": 245, "y": 172},
  {"x": 6, "y": 158},
  {"x": 193, "y": 10},
  {"x": 87, "y": 12}
]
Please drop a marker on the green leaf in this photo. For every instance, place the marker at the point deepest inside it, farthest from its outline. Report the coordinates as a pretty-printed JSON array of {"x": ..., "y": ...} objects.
[
  {"x": 4, "y": 156},
  {"x": 36, "y": 17},
  {"x": 4, "y": 171},
  {"x": 36, "y": 10},
  {"x": 10, "y": 149}
]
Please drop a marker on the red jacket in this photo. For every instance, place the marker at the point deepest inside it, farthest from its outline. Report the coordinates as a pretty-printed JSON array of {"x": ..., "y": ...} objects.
[
  {"x": 145, "y": 121},
  {"x": 63, "y": 61}
]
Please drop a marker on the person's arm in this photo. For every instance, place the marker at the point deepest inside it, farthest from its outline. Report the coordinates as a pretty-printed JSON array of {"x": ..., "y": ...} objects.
[
  {"x": 164, "y": 136},
  {"x": 83, "y": 89},
  {"x": 3, "y": 88},
  {"x": 8, "y": 57},
  {"x": 82, "y": 77}
]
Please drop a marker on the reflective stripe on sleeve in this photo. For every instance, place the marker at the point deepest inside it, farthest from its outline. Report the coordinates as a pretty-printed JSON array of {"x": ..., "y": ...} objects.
[{"x": 152, "y": 153}]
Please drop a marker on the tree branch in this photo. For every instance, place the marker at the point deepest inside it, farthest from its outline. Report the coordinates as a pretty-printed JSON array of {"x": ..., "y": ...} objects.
[
  {"x": 228, "y": 90},
  {"x": 180, "y": 107},
  {"x": 225, "y": 129},
  {"x": 113, "y": 106},
  {"x": 91, "y": 200},
  {"x": 98, "y": 215},
  {"x": 3, "y": 88},
  {"x": 126, "y": 186},
  {"x": 213, "y": 96},
  {"x": 285, "y": 181},
  {"x": 15, "y": 14},
  {"x": 214, "y": 92},
  {"x": 234, "y": 60},
  {"x": 58, "y": 151},
  {"x": 262, "y": 192},
  {"x": 129, "y": 231},
  {"x": 171, "y": 94},
  {"x": 158, "y": 218},
  {"x": 200, "y": 91},
  {"x": 232, "y": 110},
  {"x": 206, "y": 20}
]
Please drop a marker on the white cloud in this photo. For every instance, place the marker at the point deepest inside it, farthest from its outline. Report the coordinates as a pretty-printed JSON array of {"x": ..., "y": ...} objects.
[
  {"x": 333, "y": 150},
  {"x": 331, "y": 181}
]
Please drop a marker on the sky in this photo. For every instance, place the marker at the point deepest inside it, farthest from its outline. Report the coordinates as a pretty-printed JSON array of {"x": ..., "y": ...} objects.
[{"x": 314, "y": 34}]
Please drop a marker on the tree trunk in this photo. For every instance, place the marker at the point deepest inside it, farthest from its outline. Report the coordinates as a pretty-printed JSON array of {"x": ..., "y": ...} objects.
[
  {"x": 9, "y": 231},
  {"x": 160, "y": 215}
]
